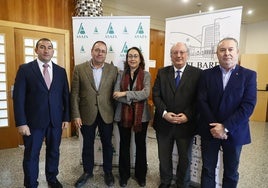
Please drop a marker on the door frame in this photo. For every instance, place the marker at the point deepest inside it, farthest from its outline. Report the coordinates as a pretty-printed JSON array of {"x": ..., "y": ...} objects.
[
  {"x": 13, "y": 26},
  {"x": 64, "y": 32}
]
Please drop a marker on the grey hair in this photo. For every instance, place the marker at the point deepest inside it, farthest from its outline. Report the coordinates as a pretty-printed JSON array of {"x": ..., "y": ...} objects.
[
  {"x": 187, "y": 49},
  {"x": 228, "y": 38}
]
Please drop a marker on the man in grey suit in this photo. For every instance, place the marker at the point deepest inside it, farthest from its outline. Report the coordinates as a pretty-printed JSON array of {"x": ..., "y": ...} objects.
[
  {"x": 174, "y": 119},
  {"x": 92, "y": 106}
]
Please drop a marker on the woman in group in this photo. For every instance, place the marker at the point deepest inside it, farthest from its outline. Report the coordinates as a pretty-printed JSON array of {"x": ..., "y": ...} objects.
[{"x": 132, "y": 113}]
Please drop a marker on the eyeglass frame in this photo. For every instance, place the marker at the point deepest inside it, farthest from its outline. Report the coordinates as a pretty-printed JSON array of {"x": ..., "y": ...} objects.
[
  {"x": 135, "y": 56},
  {"x": 97, "y": 50}
]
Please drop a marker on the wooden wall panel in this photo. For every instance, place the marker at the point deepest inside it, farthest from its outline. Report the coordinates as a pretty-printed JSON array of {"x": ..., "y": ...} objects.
[
  {"x": 258, "y": 63},
  {"x": 49, "y": 13},
  {"x": 157, "y": 47},
  {"x": 261, "y": 109}
]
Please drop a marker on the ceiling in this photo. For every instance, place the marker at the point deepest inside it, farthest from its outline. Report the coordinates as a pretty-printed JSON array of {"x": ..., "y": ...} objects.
[{"x": 162, "y": 9}]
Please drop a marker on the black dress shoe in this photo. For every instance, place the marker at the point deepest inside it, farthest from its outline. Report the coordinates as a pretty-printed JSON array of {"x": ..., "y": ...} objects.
[
  {"x": 141, "y": 183},
  {"x": 82, "y": 180},
  {"x": 123, "y": 183},
  {"x": 162, "y": 185},
  {"x": 109, "y": 179},
  {"x": 55, "y": 184}
]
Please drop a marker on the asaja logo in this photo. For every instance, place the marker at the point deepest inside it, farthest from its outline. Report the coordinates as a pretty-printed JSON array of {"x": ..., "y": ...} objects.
[
  {"x": 96, "y": 31},
  {"x": 82, "y": 49},
  {"x": 81, "y": 32},
  {"x": 140, "y": 32},
  {"x": 110, "y": 49},
  {"x": 110, "y": 32},
  {"x": 125, "y": 30},
  {"x": 124, "y": 50}
]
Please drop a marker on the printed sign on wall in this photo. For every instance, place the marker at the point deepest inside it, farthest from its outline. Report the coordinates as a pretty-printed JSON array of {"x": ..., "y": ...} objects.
[{"x": 118, "y": 32}]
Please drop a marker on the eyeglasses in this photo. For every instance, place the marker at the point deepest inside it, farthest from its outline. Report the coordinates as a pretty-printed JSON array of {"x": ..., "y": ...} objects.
[
  {"x": 97, "y": 50},
  {"x": 178, "y": 52},
  {"x": 133, "y": 56}
]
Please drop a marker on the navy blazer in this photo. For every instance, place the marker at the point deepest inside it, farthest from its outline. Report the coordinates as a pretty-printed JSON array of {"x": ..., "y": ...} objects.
[
  {"x": 178, "y": 100},
  {"x": 232, "y": 107},
  {"x": 34, "y": 104}
]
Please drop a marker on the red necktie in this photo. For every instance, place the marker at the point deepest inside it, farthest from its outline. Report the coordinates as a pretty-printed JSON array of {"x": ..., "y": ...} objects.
[{"x": 46, "y": 75}]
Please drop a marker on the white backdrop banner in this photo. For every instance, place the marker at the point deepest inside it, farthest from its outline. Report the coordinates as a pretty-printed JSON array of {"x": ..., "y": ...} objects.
[
  {"x": 201, "y": 32},
  {"x": 119, "y": 33}
]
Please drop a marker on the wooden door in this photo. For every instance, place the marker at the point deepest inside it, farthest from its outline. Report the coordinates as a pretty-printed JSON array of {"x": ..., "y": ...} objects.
[
  {"x": 9, "y": 136},
  {"x": 25, "y": 43},
  {"x": 19, "y": 47}
]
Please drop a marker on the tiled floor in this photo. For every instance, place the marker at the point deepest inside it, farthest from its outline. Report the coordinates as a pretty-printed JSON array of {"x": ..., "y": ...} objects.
[{"x": 253, "y": 166}]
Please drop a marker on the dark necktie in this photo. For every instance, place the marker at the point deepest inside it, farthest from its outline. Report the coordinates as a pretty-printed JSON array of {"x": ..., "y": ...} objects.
[
  {"x": 46, "y": 75},
  {"x": 177, "y": 79}
]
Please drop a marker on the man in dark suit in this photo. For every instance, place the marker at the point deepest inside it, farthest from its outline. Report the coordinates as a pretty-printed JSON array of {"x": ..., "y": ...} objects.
[
  {"x": 226, "y": 99},
  {"x": 41, "y": 111},
  {"x": 174, "y": 119},
  {"x": 92, "y": 106}
]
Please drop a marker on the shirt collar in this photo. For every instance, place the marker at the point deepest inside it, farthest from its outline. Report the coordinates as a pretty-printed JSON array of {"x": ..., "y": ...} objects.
[
  {"x": 92, "y": 66},
  {"x": 40, "y": 63},
  {"x": 181, "y": 70},
  {"x": 224, "y": 71}
]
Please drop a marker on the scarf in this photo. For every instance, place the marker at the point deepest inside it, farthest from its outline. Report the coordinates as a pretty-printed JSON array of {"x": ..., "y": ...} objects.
[{"x": 132, "y": 114}]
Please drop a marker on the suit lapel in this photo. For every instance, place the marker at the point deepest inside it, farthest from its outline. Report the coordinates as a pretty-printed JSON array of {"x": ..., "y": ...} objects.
[
  {"x": 231, "y": 85},
  {"x": 233, "y": 81},
  {"x": 218, "y": 79},
  {"x": 55, "y": 75},
  {"x": 89, "y": 74},
  {"x": 185, "y": 75},
  {"x": 171, "y": 78},
  {"x": 38, "y": 73},
  {"x": 105, "y": 71}
]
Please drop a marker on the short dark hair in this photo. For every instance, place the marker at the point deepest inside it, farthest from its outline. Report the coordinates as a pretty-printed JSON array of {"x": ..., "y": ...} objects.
[
  {"x": 43, "y": 39},
  {"x": 99, "y": 41}
]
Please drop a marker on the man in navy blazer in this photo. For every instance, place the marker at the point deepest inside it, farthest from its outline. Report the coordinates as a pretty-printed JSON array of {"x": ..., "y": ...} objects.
[
  {"x": 226, "y": 99},
  {"x": 174, "y": 119},
  {"x": 41, "y": 111}
]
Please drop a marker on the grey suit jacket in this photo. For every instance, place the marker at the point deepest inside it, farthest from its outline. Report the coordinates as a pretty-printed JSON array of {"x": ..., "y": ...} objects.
[
  {"x": 178, "y": 100},
  {"x": 86, "y": 100},
  {"x": 134, "y": 96}
]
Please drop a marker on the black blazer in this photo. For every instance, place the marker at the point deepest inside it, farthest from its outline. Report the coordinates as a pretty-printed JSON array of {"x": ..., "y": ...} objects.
[{"x": 180, "y": 100}]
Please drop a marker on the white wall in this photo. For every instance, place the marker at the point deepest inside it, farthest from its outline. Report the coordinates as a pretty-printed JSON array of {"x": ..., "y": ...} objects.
[
  {"x": 242, "y": 40},
  {"x": 256, "y": 38}
]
